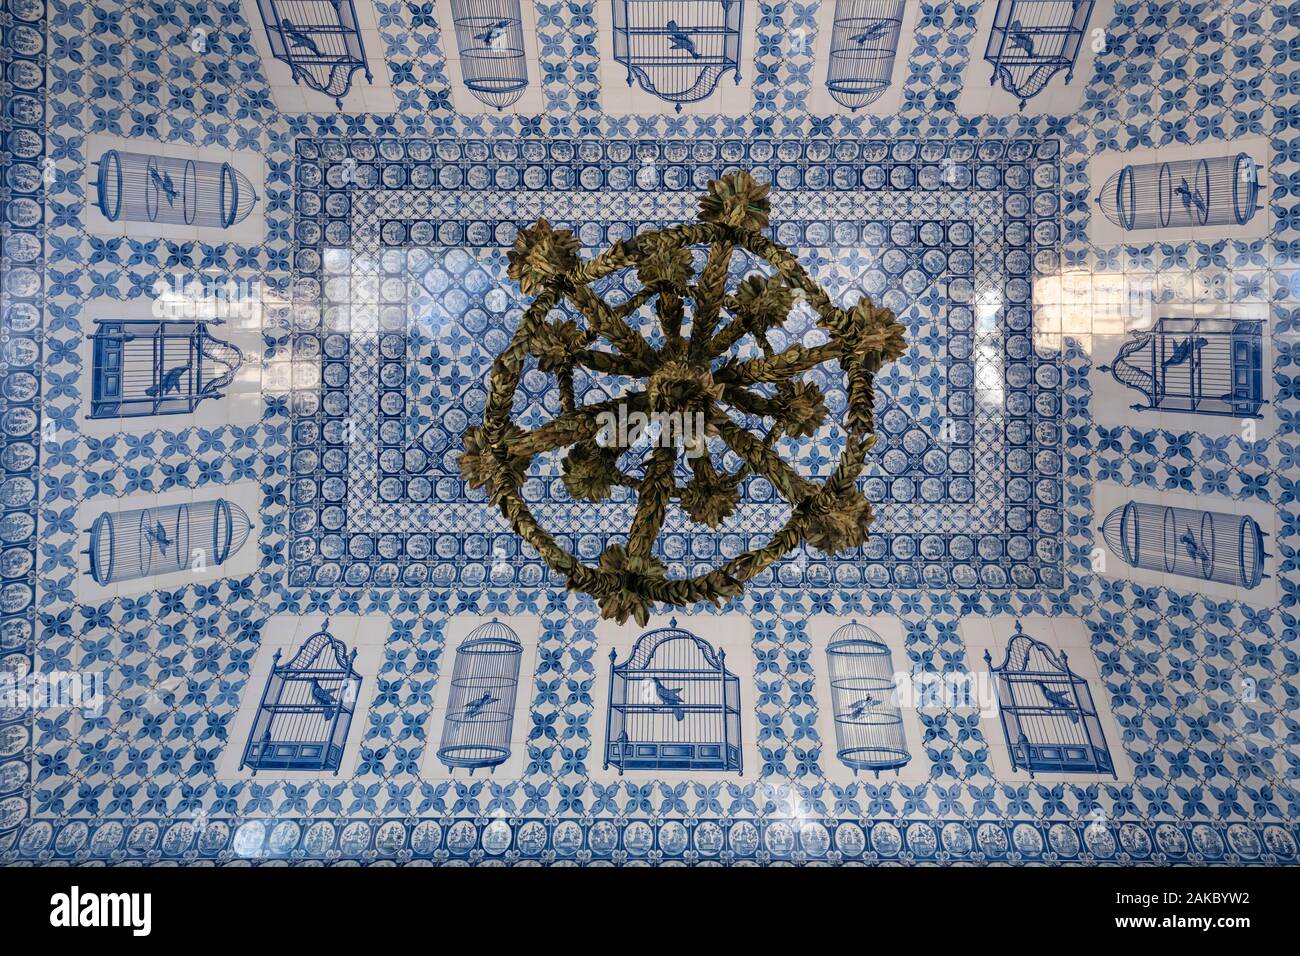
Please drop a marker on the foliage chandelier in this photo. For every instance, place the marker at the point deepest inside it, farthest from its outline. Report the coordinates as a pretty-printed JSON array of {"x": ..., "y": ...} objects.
[{"x": 696, "y": 373}]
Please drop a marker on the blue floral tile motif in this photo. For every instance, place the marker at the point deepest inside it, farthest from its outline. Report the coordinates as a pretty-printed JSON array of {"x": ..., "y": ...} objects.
[{"x": 385, "y": 298}]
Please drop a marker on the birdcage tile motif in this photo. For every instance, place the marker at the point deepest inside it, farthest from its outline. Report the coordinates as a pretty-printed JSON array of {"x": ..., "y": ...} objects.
[
  {"x": 1053, "y": 720},
  {"x": 372, "y": 192},
  {"x": 479, "y": 720}
]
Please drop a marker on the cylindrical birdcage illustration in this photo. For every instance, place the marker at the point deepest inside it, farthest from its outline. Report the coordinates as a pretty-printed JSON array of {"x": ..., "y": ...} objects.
[
  {"x": 1208, "y": 545},
  {"x": 151, "y": 367},
  {"x": 490, "y": 41},
  {"x": 678, "y": 50},
  {"x": 673, "y": 705},
  {"x": 1223, "y": 190},
  {"x": 864, "y": 43},
  {"x": 1201, "y": 366},
  {"x": 139, "y": 187},
  {"x": 1049, "y": 719},
  {"x": 1033, "y": 40},
  {"x": 477, "y": 729},
  {"x": 864, "y": 701},
  {"x": 319, "y": 40},
  {"x": 306, "y": 709},
  {"x": 146, "y": 542}
]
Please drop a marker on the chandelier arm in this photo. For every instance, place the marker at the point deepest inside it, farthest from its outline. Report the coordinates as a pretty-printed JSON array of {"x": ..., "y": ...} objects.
[
  {"x": 671, "y": 310},
  {"x": 508, "y": 369},
  {"x": 602, "y": 318},
  {"x": 779, "y": 367},
  {"x": 578, "y": 425},
  {"x": 607, "y": 363},
  {"x": 568, "y": 400},
  {"x": 656, "y": 489},
  {"x": 708, "y": 302},
  {"x": 751, "y": 404},
  {"x": 763, "y": 461},
  {"x": 638, "y": 299}
]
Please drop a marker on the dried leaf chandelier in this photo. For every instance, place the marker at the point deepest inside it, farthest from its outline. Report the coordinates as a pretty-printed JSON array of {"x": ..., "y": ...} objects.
[{"x": 695, "y": 373}]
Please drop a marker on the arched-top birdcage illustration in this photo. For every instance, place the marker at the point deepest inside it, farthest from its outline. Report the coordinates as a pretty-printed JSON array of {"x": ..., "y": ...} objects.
[
  {"x": 678, "y": 50},
  {"x": 1033, "y": 40},
  {"x": 146, "y": 542},
  {"x": 141, "y": 187},
  {"x": 864, "y": 701},
  {"x": 673, "y": 705},
  {"x": 1208, "y": 545},
  {"x": 480, "y": 712},
  {"x": 320, "y": 40},
  {"x": 1201, "y": 366},
  {"x": 864, "y": 43},
  {"x": 152, "y": 367},
  {"x": 306, "y": 709},
  {"x": 1222, "y": 190},
  {"x": 490, "y": 41},
  {"x": 1048, "y": 716}
]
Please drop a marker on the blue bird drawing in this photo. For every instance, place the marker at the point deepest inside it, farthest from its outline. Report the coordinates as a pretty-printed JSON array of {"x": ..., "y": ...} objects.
[
  {"x": 1183, "y": 350},
  {"x": 165, "y": 185},
  {"x": 494, "y": 30},
  {"x": 1059, "y": 699},
  {"x": 171, "y": 382},
  {"x": 1190, "y": 197},
  {"x": 159, "y": 537},
  {"x": 1019, "y": 38},
  {"x": 873, "y": 32},
  {"x": 680, "y": 41},
  {"x": 321, "y": 695},
  {"x": 858, "y": 708},
  {"x": 298, "y": 37},
  {"x": 671, "y": 697},
  {"x": 475, "y": 707},
  {"x": 1195, "y": 550}
]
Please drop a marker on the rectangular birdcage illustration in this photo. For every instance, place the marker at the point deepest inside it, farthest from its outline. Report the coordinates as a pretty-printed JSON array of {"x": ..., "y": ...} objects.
[
  {"x": 490, "y": 43},
  {"x": 673, "y": 705},
  {"x": 141, "y": 187},
  {"x": 146, "y": 542},
  {"x": 154, "y": 367},
  {"x": 1221, "y": 190},
  {"x": 1201, "y": 366},
  {"x": 1209, "y": 545},
  {"x": 306, "y": 708},
  {"x": 1048, "y": 716},
  {"x": 678, "y": 50},
  {"x": 864, "y": 43},
  {"x": 480, "y": 714},
  {"x": 319, "y": 40},
  {"x": 868, "y": 720},
  {"x": 1033, "y": 40}
]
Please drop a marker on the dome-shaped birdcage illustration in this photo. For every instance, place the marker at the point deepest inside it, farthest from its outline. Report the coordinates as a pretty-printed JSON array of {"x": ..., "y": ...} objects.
[
  {"x": 1208, "y": 545},
  {"x": 141, "y": 187},
  {"x": 1201, "y": 366},
  {"x": 1223, "y": 190},
  {"x": 1033, "y": 40},
  {"x": 673, "y": 705},
  {"x": 864, "y": 701},
  {"x": 476, "y": 731},
  {"x": 1048, "y": 716},
  {"x": 319, "y": 40},
  {"x": 146, "y": 542},
  {"x": 490, "y": 41},
  {"x": 306, "y": 708},
  {"x": 678, "y": 50},
  {"x": 151, "y": 367},
  {"x": 864, "y": 43}
]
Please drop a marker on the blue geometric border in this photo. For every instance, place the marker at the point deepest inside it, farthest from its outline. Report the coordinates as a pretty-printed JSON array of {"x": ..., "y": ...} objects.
[{"x": 22, "y": 300}]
